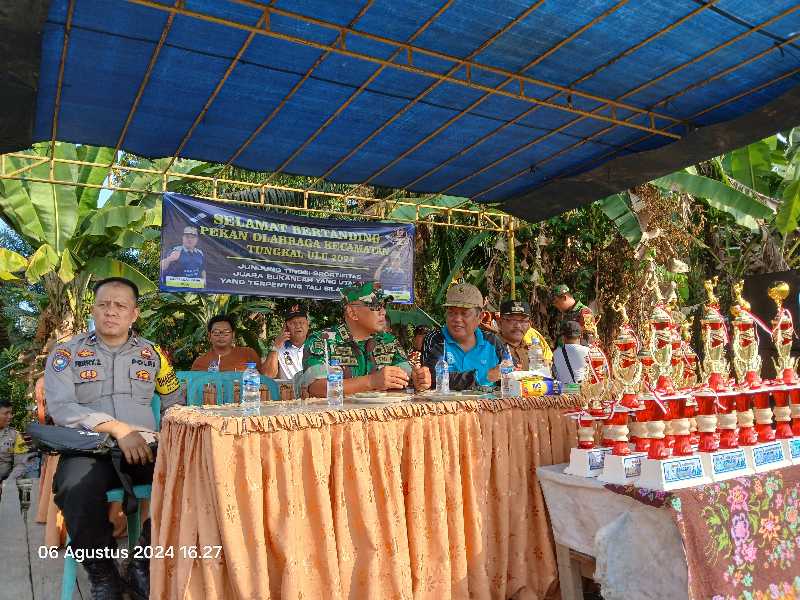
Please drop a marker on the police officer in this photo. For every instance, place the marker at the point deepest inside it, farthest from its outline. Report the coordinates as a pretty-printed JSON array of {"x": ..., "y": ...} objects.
[
  {"x": 371, "y": 358},
  {"x": 571, "y": 310},
  {"x": 186, "y": 260},
  {"x": 104, "y": 381}
]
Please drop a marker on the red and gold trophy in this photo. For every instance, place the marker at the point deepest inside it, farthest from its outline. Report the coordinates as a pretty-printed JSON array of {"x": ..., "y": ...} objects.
[
  {"x": 690, "y": 376},
  {"x": 622, "y": 466},
  {"x": 761, "y": 450},
  {"x": 786, "y": 392},
  {"x": 715, "y": 401},
  {"x": 586, "y": 460},
  {"x": 661, "y": 471}
]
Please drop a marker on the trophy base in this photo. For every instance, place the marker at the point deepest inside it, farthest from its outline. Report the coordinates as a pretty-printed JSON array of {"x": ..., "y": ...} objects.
[
  {"x": 725, "y": 464},
  {"x": 791, "y": 450},
  {"x": 586, "y": 463},
  {"x": 673, "y": 473},
  {"x": 766, "y": 457},
  {"x": 622, "y": 469}
]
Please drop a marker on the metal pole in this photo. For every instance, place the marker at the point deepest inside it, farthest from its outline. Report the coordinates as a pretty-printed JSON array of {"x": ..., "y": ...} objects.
[{"x": 511, "y": 260}]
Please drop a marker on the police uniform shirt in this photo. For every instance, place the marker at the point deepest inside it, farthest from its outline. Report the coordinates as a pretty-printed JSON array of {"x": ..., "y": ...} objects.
[
  {"x": 191, "y": 263},
  {"x": 13, "y": 452},
  {"x": 87, "y": 383}
]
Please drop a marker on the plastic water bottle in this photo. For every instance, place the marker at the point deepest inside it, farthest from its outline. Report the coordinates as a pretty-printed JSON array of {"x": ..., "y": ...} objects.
[
  {"x": 536, "y": 362},
  {"x": 506, "y": 369},
  {"x": 442, "y": 377},
  {"x": 251, "y": 389},
  {"x": 335, "y": 384}
]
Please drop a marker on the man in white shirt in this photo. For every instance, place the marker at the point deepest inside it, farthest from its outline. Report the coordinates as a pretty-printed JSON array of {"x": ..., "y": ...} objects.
[
  {"x": 569, "y": 360},
  {"x": 285, "y": 358}
]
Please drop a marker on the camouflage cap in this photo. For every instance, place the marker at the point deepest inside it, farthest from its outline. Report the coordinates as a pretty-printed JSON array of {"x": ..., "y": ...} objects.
[
  {"x": 370, "y": 293},
  {"x": 571, "y": 329},
  {"x": 559, "y": 290},
  {"x": 464, "y": 295}
]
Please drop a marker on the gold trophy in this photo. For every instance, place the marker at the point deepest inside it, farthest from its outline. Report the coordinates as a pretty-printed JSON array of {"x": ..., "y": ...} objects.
[
  {"x": 786, "y": 396},
  {"x": 622, "y": 466}
]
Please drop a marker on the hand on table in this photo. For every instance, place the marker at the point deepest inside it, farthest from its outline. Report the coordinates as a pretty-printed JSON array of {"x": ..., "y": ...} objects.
[
  {"x": 493, "y": 375},
  {"x": 421, "y": 376},
  {"x": 388, "y": 378}
]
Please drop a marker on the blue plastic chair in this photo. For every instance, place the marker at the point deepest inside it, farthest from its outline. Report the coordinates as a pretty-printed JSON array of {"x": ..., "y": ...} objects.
[
  {"x": 223, "y": 381},
  {"x": 142, "y": 492}
]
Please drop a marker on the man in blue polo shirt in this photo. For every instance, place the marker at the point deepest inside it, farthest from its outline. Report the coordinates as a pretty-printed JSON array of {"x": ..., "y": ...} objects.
[{"x": 473, "y": 356}]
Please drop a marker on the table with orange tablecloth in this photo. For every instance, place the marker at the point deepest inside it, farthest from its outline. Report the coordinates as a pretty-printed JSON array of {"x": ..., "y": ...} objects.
[{"x": 412, "y": 500}]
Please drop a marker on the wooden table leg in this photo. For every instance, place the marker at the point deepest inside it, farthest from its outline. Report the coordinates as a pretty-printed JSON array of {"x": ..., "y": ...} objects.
[{"x": 569, "y": 574}]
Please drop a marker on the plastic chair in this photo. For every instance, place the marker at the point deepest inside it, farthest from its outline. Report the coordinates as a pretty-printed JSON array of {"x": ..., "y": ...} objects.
[
  {"x": 223, "y": 381},
  {"x": 142, "y": 492}
]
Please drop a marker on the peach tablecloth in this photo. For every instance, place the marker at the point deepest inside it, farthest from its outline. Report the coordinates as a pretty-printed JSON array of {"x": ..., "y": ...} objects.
[{"x": 413, "y": 500}]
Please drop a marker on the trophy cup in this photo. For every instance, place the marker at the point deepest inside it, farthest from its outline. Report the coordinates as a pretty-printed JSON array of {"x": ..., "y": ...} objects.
[
  {"x": 786, "y": 392},
  {"x": 761, "y": 450},
  {"x": 660, "y": 471},
  {"x": 622, "y": 466},
  {"x": 715, "y": 402},
  {"x": 639, "y": 428},
  {"x": 586, "y": 460},
  {"x": 690, "y": 375}
]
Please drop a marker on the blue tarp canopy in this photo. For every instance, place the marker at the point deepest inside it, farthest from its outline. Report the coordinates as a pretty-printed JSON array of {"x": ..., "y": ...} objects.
[{"x": 543, "y": 105}]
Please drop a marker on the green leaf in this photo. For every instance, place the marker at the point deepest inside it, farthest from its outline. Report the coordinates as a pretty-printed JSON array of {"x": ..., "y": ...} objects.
[
  {"x": 86, "y": 196},
  {"x": 457, "y": 261},
  {"x": 57, "y": 211},
  {"x": 752, "y": 166},
  {"x": 114, "y": 216},
  {"x": 104, "y": 266},
  {"x": 789, "y": 211},
  {"x": 720, "y": 196},
  {"x": 617, "y": 209},
  {"x": 410, "y": 317},
  {"x": 11, "y": 263},
  {"x": 67, "y": 270},
  {"x": 43, "y": 261}
]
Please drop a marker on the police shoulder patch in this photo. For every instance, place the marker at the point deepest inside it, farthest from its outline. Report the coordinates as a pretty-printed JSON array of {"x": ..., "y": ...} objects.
[{"x": 61, "y": 359}]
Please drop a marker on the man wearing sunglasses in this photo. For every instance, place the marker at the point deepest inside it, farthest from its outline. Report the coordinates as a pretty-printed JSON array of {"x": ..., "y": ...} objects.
[{"x": 371, "y": 358}]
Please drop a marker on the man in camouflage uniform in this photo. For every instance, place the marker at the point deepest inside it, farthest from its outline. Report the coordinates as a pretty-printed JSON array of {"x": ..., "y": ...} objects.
[
  {"x": 371, "y": 358},
  {"x": 571, "y": 310},
  {"x": 104, "y": 381}
]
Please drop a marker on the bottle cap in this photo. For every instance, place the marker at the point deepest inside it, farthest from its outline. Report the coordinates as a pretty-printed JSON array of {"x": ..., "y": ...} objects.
[{"x": 334, "y": 363}]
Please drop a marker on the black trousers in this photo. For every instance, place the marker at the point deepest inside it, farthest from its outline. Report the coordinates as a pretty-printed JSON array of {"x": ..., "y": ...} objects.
[{"x": 80, "y": 485}]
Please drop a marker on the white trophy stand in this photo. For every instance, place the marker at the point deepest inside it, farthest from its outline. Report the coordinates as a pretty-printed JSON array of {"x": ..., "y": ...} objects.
[
  {"x": 724, "y": 463},
  {"x": 621, "y": 469},
  {"x": 586, "y": 462},
  {"x": 676, "y": 472},
  {"x": 764, "y": 456}
]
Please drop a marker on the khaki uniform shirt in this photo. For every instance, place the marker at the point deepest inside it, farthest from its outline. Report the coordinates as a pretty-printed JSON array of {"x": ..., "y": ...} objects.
[{"x": 87, "y": 384}]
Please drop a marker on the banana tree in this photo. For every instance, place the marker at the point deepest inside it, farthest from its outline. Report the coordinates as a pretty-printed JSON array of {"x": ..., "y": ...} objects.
[{"x": 72, "y": 236}]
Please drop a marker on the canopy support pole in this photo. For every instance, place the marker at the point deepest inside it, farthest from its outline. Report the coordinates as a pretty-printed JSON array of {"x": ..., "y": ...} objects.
[{"x": 511, "y": 259}]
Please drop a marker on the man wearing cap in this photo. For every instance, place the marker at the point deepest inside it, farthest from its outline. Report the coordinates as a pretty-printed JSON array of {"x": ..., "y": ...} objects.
[
  {"x": 516, "y": 330},
  {"x": 570, "y": 309},
  {"x": 473, "y": 357},
  {"x": 186, "y": 260},
  {"x": 371, "y": 358},
  {"x": 285, "y": 358},
  {"x": 569, "y": 359}
]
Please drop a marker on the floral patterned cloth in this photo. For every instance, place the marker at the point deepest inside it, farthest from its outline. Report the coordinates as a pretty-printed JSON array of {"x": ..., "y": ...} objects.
[{"x": 741, "y": 536}]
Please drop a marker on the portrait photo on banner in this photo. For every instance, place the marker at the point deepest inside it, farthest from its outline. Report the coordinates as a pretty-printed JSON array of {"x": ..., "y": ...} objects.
[{"x": 227, "y": 248}]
